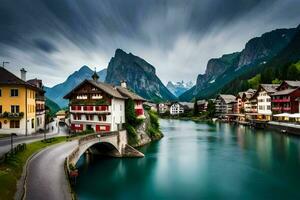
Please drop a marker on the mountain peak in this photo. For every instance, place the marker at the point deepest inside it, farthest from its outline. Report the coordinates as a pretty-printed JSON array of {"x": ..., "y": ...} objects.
[
  {"x": 139, "y": 74},
  {"x": 120, "y": 52},
  {"x": 84, "y": 68}
]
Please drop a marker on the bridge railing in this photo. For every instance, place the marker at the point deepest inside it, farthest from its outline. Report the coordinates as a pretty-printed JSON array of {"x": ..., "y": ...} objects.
[{"x": 88, "y": 138}]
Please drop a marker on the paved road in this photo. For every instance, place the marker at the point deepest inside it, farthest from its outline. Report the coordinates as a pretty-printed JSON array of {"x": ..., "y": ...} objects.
[
  {"x": 46, "y": 178},
  {"x": 55, "y": 131}
]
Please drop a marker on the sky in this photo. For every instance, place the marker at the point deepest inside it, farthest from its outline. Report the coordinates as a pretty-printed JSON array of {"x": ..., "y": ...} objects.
[{"x": 53, "y": 38}]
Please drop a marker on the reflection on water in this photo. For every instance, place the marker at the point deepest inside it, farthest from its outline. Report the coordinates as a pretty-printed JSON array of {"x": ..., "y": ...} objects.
[{"x": 199, "y": 161}]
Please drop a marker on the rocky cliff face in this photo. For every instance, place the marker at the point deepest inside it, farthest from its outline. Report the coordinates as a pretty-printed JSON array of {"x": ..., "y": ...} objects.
[
  {"x": 139, "y": 75},
  {"x": 57, "y": 92},
  {"x": 220, "y": 71}
]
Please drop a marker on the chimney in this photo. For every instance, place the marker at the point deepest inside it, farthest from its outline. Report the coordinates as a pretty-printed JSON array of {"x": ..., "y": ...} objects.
[
  {"x": 23, "y": 74},
  {"x": 123, "y": 84}
]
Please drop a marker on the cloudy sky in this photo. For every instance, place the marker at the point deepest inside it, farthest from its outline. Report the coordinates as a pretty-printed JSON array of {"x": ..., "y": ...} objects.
[{"x": 53, "y": 38}]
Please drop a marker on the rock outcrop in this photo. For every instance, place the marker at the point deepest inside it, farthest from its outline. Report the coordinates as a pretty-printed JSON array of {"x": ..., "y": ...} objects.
[{"x": 139, "y": 75}]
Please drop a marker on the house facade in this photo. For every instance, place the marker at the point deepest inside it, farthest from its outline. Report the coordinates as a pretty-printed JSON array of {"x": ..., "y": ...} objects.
[
  {"x": 224, "y": 104},
  {"x": 285, "y": 100},
  {"x": 202, "y": 105},
  {"x": 40, "y": 111},
  {"x": 163, "y": 108},
  {"x": 176, "y": 109},
  {"x": 263, "y": 97},
  {"x": 249, "y": 104},
  {"x": 96, "y": 106},
  {"x": 18, "y": 102},
  {"x": 99, "y": 106}
]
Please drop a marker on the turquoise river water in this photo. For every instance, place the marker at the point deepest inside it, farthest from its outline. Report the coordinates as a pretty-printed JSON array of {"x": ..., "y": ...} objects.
[{"x": 199, "y": 161}]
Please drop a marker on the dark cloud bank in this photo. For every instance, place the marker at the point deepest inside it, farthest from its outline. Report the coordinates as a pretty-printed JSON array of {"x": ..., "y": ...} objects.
[{"x": 177, "y": 37}]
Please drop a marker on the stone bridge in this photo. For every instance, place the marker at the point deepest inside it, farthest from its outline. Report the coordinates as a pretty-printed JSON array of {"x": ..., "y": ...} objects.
[{"x": 108, "y": 143}]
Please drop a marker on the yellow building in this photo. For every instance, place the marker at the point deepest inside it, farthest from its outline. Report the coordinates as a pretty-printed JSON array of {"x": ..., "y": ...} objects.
[{"x": 17, "y": 104}]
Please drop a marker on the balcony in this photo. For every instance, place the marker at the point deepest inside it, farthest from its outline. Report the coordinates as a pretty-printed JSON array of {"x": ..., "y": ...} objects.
[
  {"x": 90, "y": 109},
  {"x": 281, "y": 100},
  {"x": 11, "y": 115},
  {"x": 281, "y": 108}
]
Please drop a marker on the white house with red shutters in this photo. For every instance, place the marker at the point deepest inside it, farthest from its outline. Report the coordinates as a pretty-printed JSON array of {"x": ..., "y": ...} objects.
[{"x": 98, "y": 106}]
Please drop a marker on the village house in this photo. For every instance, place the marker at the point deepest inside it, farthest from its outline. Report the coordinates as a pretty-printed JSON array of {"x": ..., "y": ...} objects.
[
  {"x": 19, "y": 112},
  {"x": 176, "y": 108},
  {"x": 98, "y": 106},
  {"x": 224, "y": 104},
  {"x": 151, "y": 106},
  {"x": 202, "y": 105},
  {"x": 164, "y": 108},
  {"x": 249, "y": 105},
  {"x": 239, "y": 105},
  {"x": 40, "y": 104},
  {"x": 286, "y": 98},
  {"x": 263, "y": 98},
  {"x": 61, "y": 115}
]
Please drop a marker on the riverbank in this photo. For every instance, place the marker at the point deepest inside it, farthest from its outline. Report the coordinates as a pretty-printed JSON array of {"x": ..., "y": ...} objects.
[
  {"x": 11, "y": 170},
  {"x": 147, "y": 131}
]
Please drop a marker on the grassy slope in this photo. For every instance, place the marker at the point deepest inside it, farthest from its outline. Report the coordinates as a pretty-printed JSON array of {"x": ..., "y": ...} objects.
[{"x": 11, "y": 170}]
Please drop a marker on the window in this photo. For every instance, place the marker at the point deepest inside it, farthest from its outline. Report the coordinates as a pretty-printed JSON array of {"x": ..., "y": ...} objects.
[
  {"x": 0, "y": 109},
  {"x": 14, "y": 123},
  {"x": 15, "y": 109},
  {"x": 32, "y": 123},
  {"x": 14, "y": 92}
]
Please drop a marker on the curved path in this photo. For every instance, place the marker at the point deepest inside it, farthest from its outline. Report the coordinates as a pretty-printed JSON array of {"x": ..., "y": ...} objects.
[{"x": 45, "y": 173}]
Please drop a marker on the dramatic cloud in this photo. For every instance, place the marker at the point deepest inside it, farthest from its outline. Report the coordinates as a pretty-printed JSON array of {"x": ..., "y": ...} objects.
[{"x": 52, "y": 38}]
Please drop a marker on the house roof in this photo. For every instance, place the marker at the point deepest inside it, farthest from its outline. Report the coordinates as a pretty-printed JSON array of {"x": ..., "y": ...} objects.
[
  {"x": 228, "y": 98},
  {"x": 284, "y": 92},
  {"x": 199, "y": 102},
  {"x": 109, "y": 89},
  {"x": 61, "y": 112},
  {"x": 8, "y": 78},
  {"x": 270, "y": 88},
  {"x": 127, "y": 93},
  {"x": 187, "y": 104},
  {"x": 293, "y": 83}
]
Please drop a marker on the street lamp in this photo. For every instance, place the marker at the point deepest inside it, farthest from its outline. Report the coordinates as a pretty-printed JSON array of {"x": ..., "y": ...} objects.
[{"x": 12, "y": 141}]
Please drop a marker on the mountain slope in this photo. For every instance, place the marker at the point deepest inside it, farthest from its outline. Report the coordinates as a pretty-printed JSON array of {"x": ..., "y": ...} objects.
[
  {"x": 179, "y": 87},
  {"x": 53, "y": 107},
  {"x": 139, "y": 75},
  {"x": 284, "y": 66},
  {"x": 220, "y": 71},
  {"x": 57, "y": 92}
]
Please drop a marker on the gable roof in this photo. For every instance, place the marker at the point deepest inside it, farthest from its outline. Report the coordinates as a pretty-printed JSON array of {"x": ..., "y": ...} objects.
[
  {"x": 284, "y": 92},
  {"x": 8, "y": 78},
  {"x": 269, "y": 88},
  {"x": 293, "y": 83},
  {"x": 127, "y": 93},
  {"x": 107, "y": 88},
  {"x": 228, "y": 98},
  {"x": 189, "y": 105}
]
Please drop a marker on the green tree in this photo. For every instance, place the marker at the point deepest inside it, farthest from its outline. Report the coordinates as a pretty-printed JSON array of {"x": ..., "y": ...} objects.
[
  {"x": 130, "y": 112},
  {"x": 276, "y": 81},
  {"x": 293, "y": 73},
  {"x": 196, "y": 108},
  {"x": 211, "y": 110}
]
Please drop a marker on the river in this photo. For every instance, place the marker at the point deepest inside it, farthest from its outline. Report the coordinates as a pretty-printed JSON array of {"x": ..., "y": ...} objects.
[{"x": 199, "y": 161}]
